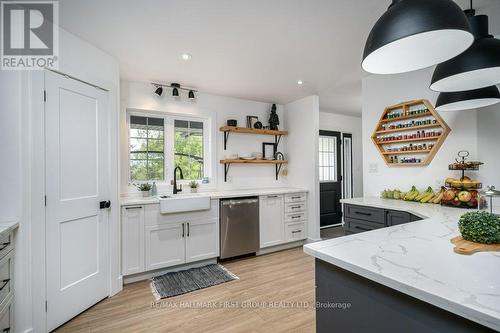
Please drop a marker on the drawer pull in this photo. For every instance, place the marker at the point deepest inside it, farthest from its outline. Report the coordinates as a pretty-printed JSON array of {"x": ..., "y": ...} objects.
[
  {"x": 295, "y": 207},
  {"x": 363, "y": 213},
  {"x": 135, "y": 207},
  {"x": 5, "y": 282},
  {"x": 298, "y": 197},
  {"x": 4, "y": 245},
  {"x": 272, "y": 196},
  {"x": 296, "y": 231},
  {"x": 361, "y": 228},
  {"x": 296, "y": 217}
]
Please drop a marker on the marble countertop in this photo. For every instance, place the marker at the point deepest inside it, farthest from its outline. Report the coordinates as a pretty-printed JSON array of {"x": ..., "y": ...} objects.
[
  {"x": 6, "y": 227},
  {"x": 417, "y": 259},
  {"x": 137, "y": 200}
]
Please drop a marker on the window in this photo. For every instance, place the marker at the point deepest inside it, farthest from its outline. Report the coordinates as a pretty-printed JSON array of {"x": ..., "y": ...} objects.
[
  {"x": 189, "y": 148},
  {"x": 147, "y": 158},
  {"x": 327, "y": 158},
  {"x": 159, "y": 143}
]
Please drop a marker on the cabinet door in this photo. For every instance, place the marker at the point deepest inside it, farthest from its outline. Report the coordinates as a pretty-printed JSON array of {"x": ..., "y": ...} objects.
[
  {"x": 395, "y": 217},
  {"x": 132, "y": 239},
  {"x": 271, "y": 226},
  {"x": 202, "y": 240},
  {"x": 165, "y": 245}
]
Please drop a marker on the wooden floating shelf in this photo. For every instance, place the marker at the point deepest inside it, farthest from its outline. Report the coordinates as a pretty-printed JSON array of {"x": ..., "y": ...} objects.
[
  {"x": 254, "y": 161},
  {"x": 406, "y": 108},
  {"x": 414, "y": 128},
  {"x": 429, "y": 138},
  {"x": 407, "y": 152},
  {"x": 252, "y": 130},
  {"x": 410, "y": 116}
]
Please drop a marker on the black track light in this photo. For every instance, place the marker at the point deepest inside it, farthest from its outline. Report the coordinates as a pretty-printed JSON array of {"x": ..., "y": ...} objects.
[
  {"x": 191, "y": 94},
  {"x": 175, "y": 90},
  {"x": 414, "y": 34},
  {"x": 159, "y": 91}
]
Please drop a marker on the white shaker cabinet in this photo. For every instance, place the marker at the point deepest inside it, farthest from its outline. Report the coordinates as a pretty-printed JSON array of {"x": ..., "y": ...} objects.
[
  {"x": 132, "y": 239},
  {"x": 165, "y": 245},
  {"x": 271, "y": 227},
  {"x": 202, "y": 239}
]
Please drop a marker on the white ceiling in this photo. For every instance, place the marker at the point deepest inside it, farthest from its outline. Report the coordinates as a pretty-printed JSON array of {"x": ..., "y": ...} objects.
[{"x": 253, "y": 49}]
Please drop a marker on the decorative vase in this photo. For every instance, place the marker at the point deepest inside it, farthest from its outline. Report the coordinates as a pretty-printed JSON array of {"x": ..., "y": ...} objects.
[{"x": 145, "y": 194}]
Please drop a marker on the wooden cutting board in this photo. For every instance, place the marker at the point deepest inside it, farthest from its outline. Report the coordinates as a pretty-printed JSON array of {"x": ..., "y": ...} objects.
[{"x": 463, "y": 246}]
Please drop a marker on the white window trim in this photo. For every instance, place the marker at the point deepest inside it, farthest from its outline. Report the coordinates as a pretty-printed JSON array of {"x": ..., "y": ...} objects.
[{"x": 168, "y": 144}]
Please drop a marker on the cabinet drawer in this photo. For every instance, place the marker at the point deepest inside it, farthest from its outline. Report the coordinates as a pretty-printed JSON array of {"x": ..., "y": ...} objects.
[
  {"x": 395, "y": 217},
  {"x": 5, "y": 244},
  {"x": 293, "y": 207},
  {"x": 295, "y": 197},
  {"x": 355, "y": 226},
  {"x": 7, "y": 317},
  {"x": 5, "y": 277},
  {"x": 295, "y": 217},
  {"x": 369, "y": 214},
  {"x": 295, "y": 231}
]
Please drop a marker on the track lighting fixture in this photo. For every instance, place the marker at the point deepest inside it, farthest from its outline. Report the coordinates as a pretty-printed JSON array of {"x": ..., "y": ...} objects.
[
  {"x": 414, "y": 34},
  {"x": 175, "y": 89}
]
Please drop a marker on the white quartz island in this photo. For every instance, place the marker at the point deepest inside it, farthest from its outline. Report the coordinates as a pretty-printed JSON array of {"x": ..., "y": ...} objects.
[{"x": 417, "y": 259}]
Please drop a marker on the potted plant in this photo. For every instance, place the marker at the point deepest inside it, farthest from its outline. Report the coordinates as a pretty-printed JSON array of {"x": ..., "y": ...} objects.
[
  {"x": 480, "y": 227},
  {"x": 144, "y": 188},
  {"x": 194, "y": 186}
]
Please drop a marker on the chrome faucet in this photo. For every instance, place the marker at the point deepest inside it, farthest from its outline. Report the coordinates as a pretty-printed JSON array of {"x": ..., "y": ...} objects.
[{"x": 176, "y": 190}]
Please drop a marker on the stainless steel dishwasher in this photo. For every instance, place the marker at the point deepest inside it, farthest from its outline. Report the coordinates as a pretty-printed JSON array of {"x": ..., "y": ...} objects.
[{"x": 239, "y": 226}]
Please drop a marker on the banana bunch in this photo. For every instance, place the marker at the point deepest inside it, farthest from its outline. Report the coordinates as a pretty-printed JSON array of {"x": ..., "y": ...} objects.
[
  {"x": 411, "y": 194},
  {"x": 438, "y": 197},
  {"x": 428, "y": 195}
]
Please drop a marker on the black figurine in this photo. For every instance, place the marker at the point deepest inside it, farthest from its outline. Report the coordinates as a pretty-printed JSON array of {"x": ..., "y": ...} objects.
[{"x": 274, "y": 120}]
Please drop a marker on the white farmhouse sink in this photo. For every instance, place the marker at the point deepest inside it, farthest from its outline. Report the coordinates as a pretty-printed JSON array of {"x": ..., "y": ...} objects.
[{"x": 177, "y": 203}]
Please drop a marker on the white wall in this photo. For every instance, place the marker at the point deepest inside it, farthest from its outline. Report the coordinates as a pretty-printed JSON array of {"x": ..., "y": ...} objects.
[
  {"x": 302, "y": 119},
  {"x": 380, "y": 91},
  {"x": 140, "y": 95},
  {"x": 348, "y": 124},
  {"x": 22, "y": 196}
]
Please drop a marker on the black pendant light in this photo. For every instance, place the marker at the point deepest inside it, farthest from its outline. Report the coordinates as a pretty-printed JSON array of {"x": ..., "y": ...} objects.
[
  {"x": 175, "y": 91},
  {"x": 414, "y": 34},
  {"x": 471, "y": 99},
  {"x": 191, "y": 94},
  {"x": 477, "y": 67},
  {"x": 159, "y": 91}
]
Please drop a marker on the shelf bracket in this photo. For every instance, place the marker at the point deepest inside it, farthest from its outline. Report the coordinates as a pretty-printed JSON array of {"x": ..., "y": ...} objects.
[
  {"x": 226, "y": 136},
  {"x": 278, "y": 169},
  {"x": 277, "y": 139},
  {"x": 226, "y": 171}
]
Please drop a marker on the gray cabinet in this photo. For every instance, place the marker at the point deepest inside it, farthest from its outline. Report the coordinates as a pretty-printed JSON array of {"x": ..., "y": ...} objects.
[{"x": 363, "y": 218}]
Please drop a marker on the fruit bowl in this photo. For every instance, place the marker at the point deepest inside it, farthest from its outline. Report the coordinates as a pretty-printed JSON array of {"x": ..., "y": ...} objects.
[{"x": 460, "y": 198}]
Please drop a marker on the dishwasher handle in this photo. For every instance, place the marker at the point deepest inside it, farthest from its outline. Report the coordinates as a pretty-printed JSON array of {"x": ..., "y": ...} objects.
[{"x": 239, "y": 202}]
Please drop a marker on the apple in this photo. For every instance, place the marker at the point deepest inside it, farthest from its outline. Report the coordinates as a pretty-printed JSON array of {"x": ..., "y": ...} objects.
[
  {"x": 449, "y": 195},
  {"x": 464, "y": 196},
  {"x": 456, "y": 202},
  {"x": 472, "y": 202}
]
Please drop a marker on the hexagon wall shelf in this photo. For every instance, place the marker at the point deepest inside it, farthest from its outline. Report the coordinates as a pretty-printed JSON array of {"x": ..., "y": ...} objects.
[{"x": 409, "y": 134}]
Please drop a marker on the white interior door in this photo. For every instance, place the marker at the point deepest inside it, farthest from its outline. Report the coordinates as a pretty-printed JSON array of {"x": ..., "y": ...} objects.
[{"x": 76, "y": 127}]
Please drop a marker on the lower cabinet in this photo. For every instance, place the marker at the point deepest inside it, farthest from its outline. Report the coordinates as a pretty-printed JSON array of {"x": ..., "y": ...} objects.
[
  {"x": 151, "y": 240},
  {"x": 271, "y": 230}
]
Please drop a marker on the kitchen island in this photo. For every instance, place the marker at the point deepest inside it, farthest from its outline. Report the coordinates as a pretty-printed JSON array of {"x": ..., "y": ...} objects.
[{"x": 406, "y": 277}]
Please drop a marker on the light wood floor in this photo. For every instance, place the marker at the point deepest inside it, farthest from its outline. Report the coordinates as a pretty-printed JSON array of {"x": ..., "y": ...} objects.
[{"x": 286, "y": 276}]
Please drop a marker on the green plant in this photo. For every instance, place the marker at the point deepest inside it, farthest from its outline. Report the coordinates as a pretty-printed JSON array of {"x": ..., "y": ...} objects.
[
  {"x": 480, "y": 227},
  {"x": 194, "y": 184},
  {"x": 143, "y": 187}
]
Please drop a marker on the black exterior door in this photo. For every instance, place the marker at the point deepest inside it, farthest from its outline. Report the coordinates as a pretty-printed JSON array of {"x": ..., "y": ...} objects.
[{"x": 330, "y": 178}]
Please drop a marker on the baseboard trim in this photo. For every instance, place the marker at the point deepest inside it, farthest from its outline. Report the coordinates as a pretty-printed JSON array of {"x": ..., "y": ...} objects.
[
  {"x": 280, "y": 247},
  {"x": 313, "y": 240},
  {"x": 150, "y": 274},
  {"x": 30, "y": 330}
]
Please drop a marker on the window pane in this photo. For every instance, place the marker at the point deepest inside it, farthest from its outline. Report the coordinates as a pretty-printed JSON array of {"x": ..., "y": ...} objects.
[
  {"x": 155, "y": 169},
  {"x": 327, "y": 158},
  {"x": 138, "y": 156},
  {"x": 138, "y": 170},
  {"x": 189, "y": 148},
  {"x": 138, "y": 145}
]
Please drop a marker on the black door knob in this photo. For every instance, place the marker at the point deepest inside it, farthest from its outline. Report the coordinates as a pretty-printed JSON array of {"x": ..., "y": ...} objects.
[{"x": 104, "y": 204}]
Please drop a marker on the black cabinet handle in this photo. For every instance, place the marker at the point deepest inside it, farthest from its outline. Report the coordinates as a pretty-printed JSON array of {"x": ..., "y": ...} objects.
[
  {"x": 296, "y": 231},
  {"x": 4, "y": 245},
  {"x": 272, "y": 196},
  {"x": 295, "y": 197},
  {"x": 5, "y": 282},
  {"x": 363, "y": 213},
  {"x": 183, "y": 230},
  {"x": 188, "y": 229},
  {"x": 135, "y": 207},
  {"x": 361, "y": 228},
  {"x": 104, "y": 204},
  {"x": 295, "y": 207},
  {"x": 296, "y": 217}
]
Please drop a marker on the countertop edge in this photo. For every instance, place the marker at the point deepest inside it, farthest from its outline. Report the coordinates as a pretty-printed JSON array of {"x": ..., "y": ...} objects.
[{"x": 7, "y": 227}]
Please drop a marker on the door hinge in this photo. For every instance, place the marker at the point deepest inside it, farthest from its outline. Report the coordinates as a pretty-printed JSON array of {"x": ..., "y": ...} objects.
[
  {"x": 45, "y": 95},
  {"x": 45, "y": 200},
  {"x": 46, "y": 306}
]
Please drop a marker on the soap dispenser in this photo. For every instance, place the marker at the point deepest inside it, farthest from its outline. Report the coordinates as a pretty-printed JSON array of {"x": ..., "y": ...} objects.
[{"x": 154, "y": 190}]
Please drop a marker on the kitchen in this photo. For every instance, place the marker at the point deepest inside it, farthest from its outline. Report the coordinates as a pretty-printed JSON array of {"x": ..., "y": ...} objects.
[{"x": 208, "y": 168}]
